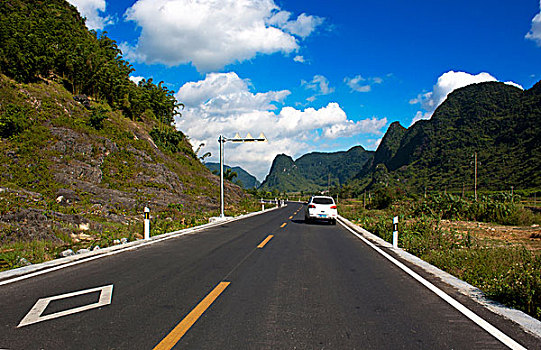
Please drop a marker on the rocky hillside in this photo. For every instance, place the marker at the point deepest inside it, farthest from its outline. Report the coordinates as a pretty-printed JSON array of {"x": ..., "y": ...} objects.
[
  {"x": 315, "y": 171},
  {"x": 76, "y": 174},
  {"x": 498, "y": 122},
  {"x": 83, "y": 149}
]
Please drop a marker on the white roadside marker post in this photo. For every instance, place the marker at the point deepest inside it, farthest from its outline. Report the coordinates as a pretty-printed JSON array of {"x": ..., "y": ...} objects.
[
  {"x": 262, "y": 205},
  {"x": 147, "y": 223},
  {"x": 395, "y": 232}
]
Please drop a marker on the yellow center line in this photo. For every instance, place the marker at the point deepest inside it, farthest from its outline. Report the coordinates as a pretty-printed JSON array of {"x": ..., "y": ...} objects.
[
  {"x": 283, "y": 225},
  {"x": 265, "y": 241},
  {"x": 178, "y": 332}
]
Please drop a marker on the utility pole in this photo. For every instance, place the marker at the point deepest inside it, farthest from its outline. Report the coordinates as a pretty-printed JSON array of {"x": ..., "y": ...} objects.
[
  {"x": 364, "y": 200},
  {"x": 329, "y": 183},
  {"x": 221, "y": 140},
  {"x": 475, "y": 178},
  {"x": 511, "y": 193}
]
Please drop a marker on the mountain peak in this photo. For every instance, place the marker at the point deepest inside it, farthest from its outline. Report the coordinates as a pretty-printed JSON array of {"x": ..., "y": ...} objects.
[
  {"x": 499, "y": 122},
  {"x": 389, "y": 144},
  {"x": 315, "y": 171}
]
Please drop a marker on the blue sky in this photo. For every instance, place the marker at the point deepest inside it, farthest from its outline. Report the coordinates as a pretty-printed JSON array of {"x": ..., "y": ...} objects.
[{"x": 316, "y": 75}]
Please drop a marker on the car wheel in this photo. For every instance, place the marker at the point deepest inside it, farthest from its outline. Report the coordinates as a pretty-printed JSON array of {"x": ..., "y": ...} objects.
[{"x": 333, "y": 222}]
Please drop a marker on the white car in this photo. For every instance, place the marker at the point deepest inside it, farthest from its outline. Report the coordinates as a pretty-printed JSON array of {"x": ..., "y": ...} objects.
[{"x": 321, "y": 208}]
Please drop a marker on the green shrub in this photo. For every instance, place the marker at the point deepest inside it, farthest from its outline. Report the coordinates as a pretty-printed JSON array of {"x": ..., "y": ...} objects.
[
  {"x": 385, "y": 196},
  {"x": 13, "y": 120},
  {"x": 499, "y": 208},
  {"x": 97, "y": 117},
  {"x": 170, "y": 140}
]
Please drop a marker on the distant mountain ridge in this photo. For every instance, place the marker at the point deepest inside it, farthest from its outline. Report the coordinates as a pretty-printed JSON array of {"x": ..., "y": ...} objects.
[
  {"x": 244, "y": 178},
  {"x": 499, "y": 122},
  {"x": 315, "y": 171}
]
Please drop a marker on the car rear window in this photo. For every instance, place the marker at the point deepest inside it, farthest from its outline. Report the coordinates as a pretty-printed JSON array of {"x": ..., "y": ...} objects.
[{"x": 322, "y": 201}]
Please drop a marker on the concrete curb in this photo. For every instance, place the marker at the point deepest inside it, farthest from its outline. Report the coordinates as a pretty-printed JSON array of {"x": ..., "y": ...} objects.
[
  {"x": 20, "y": 273},
  {"x": 525, "y": 321}
]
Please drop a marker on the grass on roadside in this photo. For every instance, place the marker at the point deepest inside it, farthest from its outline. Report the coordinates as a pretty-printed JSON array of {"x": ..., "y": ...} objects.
[{"x": 508, "y": 274}]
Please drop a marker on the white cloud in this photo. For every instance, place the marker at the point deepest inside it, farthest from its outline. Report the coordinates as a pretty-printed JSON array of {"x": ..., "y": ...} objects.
[
  {"x": 299, "y": 59},
  {"x": 211, "y": 34},
  {"x": 319, "y": 84},
  {"x": 447, "y": 83},
  {"x": 222, "y": 104},
  {"x": 350, "y": 128},
  {"x": 360, "y": 84},
  {"x": 372, "y": 144},
  {"x": 303, "y": 26},
  {"x": 91, "y": 9},
  {"x": 137, "y": 79},
  {"x": 535, "y": 31}
]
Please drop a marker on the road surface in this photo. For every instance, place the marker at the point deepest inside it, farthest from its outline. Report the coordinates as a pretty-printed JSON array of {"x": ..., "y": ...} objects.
[{"x": 266, "y": 282}]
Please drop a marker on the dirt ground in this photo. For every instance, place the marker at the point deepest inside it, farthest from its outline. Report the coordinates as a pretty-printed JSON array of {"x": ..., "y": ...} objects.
[{"x": 494, "y": 234}]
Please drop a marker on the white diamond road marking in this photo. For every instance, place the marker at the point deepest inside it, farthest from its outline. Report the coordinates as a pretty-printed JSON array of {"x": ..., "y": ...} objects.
[{"x": 34, "y": 315}]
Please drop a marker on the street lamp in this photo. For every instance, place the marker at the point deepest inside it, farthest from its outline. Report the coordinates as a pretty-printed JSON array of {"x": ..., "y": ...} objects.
[{"x": 237, "y": 139}]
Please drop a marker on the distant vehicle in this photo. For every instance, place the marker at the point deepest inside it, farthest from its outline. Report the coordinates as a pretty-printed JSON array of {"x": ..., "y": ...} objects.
[{"x": 321, "y": 208}]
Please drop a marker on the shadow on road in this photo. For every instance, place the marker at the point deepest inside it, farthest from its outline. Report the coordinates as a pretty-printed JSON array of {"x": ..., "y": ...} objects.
[{"x": 313, "y": 222}]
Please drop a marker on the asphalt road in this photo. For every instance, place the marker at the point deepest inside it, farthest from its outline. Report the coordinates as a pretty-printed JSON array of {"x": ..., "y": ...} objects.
[{"x": 309, "y": 286}]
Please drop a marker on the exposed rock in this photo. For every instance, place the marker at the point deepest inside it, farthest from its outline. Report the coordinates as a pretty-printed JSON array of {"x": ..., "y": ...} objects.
[
  {"x": 77, "y": 237},
  {"x": 123, "y": 240},
  {"x": 116, "y": 241},
  {"x": 83, "y": 99},
  {"x": 24, "y": 215},
  {"x": 82, "y": 251},
  {"x": 67, "y": 252},
  {"x": 24, "y": 262},
  {"x": 68, "y": 194},
  {"x": 96, "y": 248}
]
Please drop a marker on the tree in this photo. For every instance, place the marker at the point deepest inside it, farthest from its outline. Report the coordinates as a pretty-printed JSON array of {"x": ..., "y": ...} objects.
[{"x": 229, "y": 174}]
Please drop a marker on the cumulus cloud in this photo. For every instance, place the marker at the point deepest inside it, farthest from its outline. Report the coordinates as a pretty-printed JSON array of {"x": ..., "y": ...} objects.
[
  {"x": 535, "y": 31},
  {"x": 319, "y": 84},
  {"x": 349, "y": 128},
  {"x": 222, "y": 104},
  {"x": 447, "y": 83},
  {"x": 299, "y": 59},
  {"x": 360, "y": 84},
  {"x": 211, "y": 34},
  {"x": 92, "y": 9},
  {"x": 303, "y": 26},
  {"x": 136, "y": 79}
]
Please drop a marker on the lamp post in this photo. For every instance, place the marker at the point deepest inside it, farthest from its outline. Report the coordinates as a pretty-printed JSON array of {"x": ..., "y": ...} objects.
[{"x": 222, "y": 140}]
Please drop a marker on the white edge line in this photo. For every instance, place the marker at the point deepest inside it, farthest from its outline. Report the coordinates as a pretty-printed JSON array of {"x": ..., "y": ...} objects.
[
  {"x": 120, "y": 249},
  {"x": 502, "y": 337}
]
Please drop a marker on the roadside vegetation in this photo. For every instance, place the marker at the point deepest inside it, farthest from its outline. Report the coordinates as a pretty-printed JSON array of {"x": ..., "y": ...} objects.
[
  {"x": 85, "y": 226},
  {"x": 493, "y": 243},
  {"x": 83, "y": 148}
]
